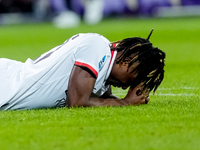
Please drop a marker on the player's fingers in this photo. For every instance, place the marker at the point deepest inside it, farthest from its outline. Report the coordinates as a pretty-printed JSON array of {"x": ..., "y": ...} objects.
[
  {"x": 144, "y": 100},
  {"x": 147, "y": 100}
]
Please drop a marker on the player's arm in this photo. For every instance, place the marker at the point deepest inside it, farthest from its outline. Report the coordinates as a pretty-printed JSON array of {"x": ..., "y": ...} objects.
[{"x": 81, "y": 84}]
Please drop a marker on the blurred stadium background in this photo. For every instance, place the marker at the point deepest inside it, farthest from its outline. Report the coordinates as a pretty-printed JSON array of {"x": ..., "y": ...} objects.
[
  {"x": 170, "y": 121},
  {"x": 91, "y": 11}
]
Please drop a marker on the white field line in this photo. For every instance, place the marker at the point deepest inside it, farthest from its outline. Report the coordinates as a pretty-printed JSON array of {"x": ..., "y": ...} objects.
[
  {"x": 181, "y": 88},
  {"x": 166, "y": 92},
  {"x": 179, "y": 94}
]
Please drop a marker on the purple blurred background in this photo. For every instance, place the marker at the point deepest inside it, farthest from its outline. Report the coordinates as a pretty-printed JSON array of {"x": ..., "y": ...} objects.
[
  {"x": 138, "y": 7},
  {"x": 45, "y": 9}
]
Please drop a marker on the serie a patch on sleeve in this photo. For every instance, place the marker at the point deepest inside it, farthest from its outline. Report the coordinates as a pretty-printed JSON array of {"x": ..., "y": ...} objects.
[{"x": 102, "y": 62}]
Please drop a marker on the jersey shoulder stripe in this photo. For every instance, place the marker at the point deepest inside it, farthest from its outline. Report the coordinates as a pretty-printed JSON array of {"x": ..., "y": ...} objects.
[{"x": 88, "y": 67}]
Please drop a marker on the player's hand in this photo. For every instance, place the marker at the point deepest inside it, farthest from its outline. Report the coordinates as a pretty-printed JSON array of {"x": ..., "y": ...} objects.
[{"x": 135, "y": 97}]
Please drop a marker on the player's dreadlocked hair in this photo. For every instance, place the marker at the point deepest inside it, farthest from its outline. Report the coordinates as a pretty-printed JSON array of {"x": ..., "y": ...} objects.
[{"x": 149, "y": 60}]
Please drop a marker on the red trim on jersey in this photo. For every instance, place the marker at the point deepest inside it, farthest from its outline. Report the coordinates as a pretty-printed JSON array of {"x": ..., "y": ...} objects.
[
  {"x": 112, "y": 53},
  {"x": 114, "y": 45},
  {"x": 87, "y": 66}
]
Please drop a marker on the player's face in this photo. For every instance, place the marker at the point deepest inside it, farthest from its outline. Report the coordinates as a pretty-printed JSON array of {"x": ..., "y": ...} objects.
[{"x": 119, "y": 76}]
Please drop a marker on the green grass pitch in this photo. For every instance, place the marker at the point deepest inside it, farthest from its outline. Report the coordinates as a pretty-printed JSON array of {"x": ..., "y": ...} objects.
[{"x": 170, "y": 121}]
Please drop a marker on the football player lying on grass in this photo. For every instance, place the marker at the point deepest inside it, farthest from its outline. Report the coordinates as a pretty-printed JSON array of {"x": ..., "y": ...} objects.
[{"x": 80, "y": 72}]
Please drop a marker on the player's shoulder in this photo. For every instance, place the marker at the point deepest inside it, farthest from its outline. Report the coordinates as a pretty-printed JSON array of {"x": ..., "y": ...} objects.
[
  {"x": 95, "y": 43},
  {"x": 95, "y": 38}
]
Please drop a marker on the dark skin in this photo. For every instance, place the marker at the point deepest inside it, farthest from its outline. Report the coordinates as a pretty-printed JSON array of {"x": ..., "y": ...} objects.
[{"x": 81, "y": 84}]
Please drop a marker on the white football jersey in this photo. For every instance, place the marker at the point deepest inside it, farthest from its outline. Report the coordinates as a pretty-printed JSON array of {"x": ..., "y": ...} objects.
[{"x": 43, "y": 82}]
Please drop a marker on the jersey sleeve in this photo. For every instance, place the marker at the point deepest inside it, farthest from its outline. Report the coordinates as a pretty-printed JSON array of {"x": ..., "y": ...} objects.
[{"x": 92, "y": 54}]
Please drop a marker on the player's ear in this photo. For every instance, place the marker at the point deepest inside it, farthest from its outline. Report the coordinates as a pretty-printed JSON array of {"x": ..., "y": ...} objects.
[{"x": 126, "y": 61}]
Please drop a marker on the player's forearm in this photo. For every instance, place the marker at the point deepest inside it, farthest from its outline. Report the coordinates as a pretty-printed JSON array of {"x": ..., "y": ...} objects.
[
  {"x": 99, "y": 102},
  {"x": 107, "y": 102}
]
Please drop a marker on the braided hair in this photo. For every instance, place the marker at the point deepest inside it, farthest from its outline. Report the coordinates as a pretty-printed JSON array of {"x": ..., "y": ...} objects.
[{"x": 147, "y": 61}]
